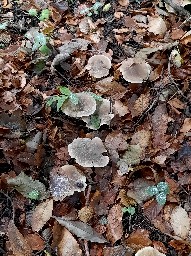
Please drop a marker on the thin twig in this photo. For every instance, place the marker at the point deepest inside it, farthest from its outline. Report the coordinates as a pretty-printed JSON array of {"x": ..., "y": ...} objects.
[{"x": 87, "y": 253}]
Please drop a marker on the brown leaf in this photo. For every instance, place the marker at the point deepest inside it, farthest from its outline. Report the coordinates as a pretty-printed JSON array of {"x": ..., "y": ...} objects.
[
  {"x": 35, "y": 241},
  {"x": 41, "y": 214},
  {"x": 19, "y": 245},
  {"x": 115, "y": 227},
  {"x": 138, "y": 239},
  {"x": 186, "y": 125}
]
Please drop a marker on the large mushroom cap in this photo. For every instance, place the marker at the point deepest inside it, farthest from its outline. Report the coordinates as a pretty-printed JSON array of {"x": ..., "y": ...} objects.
[
  {"x": 98, "y": 66},
  {"x": 86, "y": 106},
  {"x": 88, "y": 153},
  {"x": 135, "y": 70}
]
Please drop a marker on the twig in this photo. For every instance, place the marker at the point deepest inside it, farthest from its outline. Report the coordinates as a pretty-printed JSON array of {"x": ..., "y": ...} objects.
[
  {"x": 88, "y": 195},
  {"x": 8, "y": 197}
]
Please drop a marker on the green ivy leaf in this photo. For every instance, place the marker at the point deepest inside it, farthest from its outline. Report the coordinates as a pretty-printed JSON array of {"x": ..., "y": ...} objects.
[
  {"x": 32, "y": 12},
  {"x": 34, "y": 195},
  {"x": 64, "y": 90},
  {"x": 152, "y": 190},
  {"x": 60, "y": 101},
  {"x": 44, "y": 15},
  {"x": 45, "y": 50},
  {"x": 163, "y": 187},
  {"x": 161, "y": 198}
]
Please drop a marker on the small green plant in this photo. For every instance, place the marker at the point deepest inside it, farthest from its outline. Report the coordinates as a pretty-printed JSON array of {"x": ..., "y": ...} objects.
[
  {"x": 129, "y": 209},
  {"x": 38, "y": 40},
  {"x": 160, "y": 191},
  {"x": 66, "y": 94},
  {"x": 44, "y": 15},
  {"x": 34, "y": 195}
]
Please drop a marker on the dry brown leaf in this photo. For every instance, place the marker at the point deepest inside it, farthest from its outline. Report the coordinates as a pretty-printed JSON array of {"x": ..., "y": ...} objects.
[
  {"x": 142, "y": 138},
  {"x": 115, "y": 227},
  {"x": 157, "y": 25},
  {"x": 186, "y": 125},
  {"x": 41, "y": 214},
  {"x": 138, "y": 239},
  {"x": 123, "y": 2},
  {"x": 18, "y": 243},
  {"x": 180, "y": 222},
  {"x": 68, "y": 244},
  {"x": 86, "y": 213},
  {"x": 120, "y": 108},
  {"x": 35, "y": 241},
  {"x": 142, "y": 103}
]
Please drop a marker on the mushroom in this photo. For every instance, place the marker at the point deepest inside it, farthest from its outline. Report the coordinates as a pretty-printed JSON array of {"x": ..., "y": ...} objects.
[
  {"x": 88, "y": 153},
  {"x": 98, "y": 66},
  {"x": 103, "y": 113},
  {"x": 64, "y": 181},
  {"x": 86, "y": 106},
  {"x": 135, "y": 70},
  {"x": 149, "y": 251}
]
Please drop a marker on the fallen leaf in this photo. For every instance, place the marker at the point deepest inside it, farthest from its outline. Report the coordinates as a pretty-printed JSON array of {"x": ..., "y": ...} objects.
[
  {"x": 82, "y": 230},
  {"x": 180, "y": 222},
  {"x": 35, "y": 241},
  {"x": 18, "y": 243},
  {"x": 157, "y": 25},
  {"x": 186, "y": 125},
  {"x": 114, "y": 226},
  {"x": 41, "y": 214},
  {"x": 65, "y": 180}
]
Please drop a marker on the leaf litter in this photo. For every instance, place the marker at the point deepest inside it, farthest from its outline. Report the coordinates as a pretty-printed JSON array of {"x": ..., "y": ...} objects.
[{"x": 95, "y": 112}]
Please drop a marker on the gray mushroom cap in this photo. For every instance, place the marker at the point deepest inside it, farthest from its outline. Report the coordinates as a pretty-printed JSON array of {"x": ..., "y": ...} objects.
[
  {"x": 98, "y": 66},
  {"x": 86, "y": 106},
  {"x": 88, "y": 153}
]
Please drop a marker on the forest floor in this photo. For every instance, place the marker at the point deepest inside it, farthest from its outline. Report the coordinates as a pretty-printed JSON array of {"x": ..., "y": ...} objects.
[{"x": 95, "y": 128}]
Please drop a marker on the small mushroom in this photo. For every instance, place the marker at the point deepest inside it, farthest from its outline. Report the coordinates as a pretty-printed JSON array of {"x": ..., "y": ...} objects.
[
  {"x": 88, "y": 153},
  {"x": 149, "y": 251},
  {"x": 98, "y": 66},
  {"x": 135, "y": 70},
  {"x": 86, "y": 106},
  {"x": 103, "y": 112}
]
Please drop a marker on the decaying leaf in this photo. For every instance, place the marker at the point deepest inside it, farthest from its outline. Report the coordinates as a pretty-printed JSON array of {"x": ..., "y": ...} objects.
[
  {"x": 18, "y": 244},
  {"x": 41, "y": 214},
  {"x": 88, "y": 153},
  {"x": 118, "y": 250},
  {"x": 131, "y": 157},
  {"x": 114, "y": 226},
  {"x": 86, "y": 106},
  {"x": 180, "y": 222},
  {"x": 186, "y": 125},
  {"x": 98, "y": 66},
  {"x": 27, "y": 186},
  {"x": 157, "y": 25},
  {"x": 115, "y": 142},
  {"x": 82, "y": 230},
  {"x": 149, "y": 251},
  {"x": 142, "y": 138},
  {"x": 86, "y": 213},
  {"x": 65, "y": 180},
  {"x": 135, "y": 70}
]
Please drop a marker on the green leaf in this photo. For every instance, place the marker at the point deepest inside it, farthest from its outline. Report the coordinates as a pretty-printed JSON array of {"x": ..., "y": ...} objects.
[
  {"x": 73, "y": 98},
  {"x": 95, "y": 121},
  {"x": 64, "y": 90},
  {"x": 95, "y": 96},
  {"x": 3, "y": 25},
  {"x": 32, "y": 12},
  {"x": 152, "y": 190},
  {"x": 131, "y": 210},
  {"x": 60, "y": 101},
  {"x": 26, "y": 186},
  {"x": 44, "y": 15},
  {"x": 39, "y": 66},
  {"x": 106, "y": 7},
  {"x": 51, "y": 100},
  {"x": 161, "y": 198},
  {"x": 33, "y": 195},
  {"x": 45, "y": 50},
  {"x": 163, "y": 187}
]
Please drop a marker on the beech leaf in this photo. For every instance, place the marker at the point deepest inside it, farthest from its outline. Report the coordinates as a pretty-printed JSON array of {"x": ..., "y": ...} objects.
[{"x": 82, "y": 230}]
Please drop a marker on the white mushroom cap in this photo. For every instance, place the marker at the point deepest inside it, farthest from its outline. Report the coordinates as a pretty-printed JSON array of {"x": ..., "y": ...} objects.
[
  {"x": 86, "y": 106},
  {"x": 88, "y": 153},
  {"x": 98, "y": 66},
  {"x": 149, "y": 251},
  {"x": 135, "y": 70}
]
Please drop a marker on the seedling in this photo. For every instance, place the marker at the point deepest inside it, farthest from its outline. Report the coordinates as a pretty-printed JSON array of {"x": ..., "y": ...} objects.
[
  {"x": 129, "y": 209},
  {"x": 66, "y": 94},
  {"x": 34, "y": 195},
  {"x": 160, "y": 191},
  {"x": 44, "y": 15}
]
